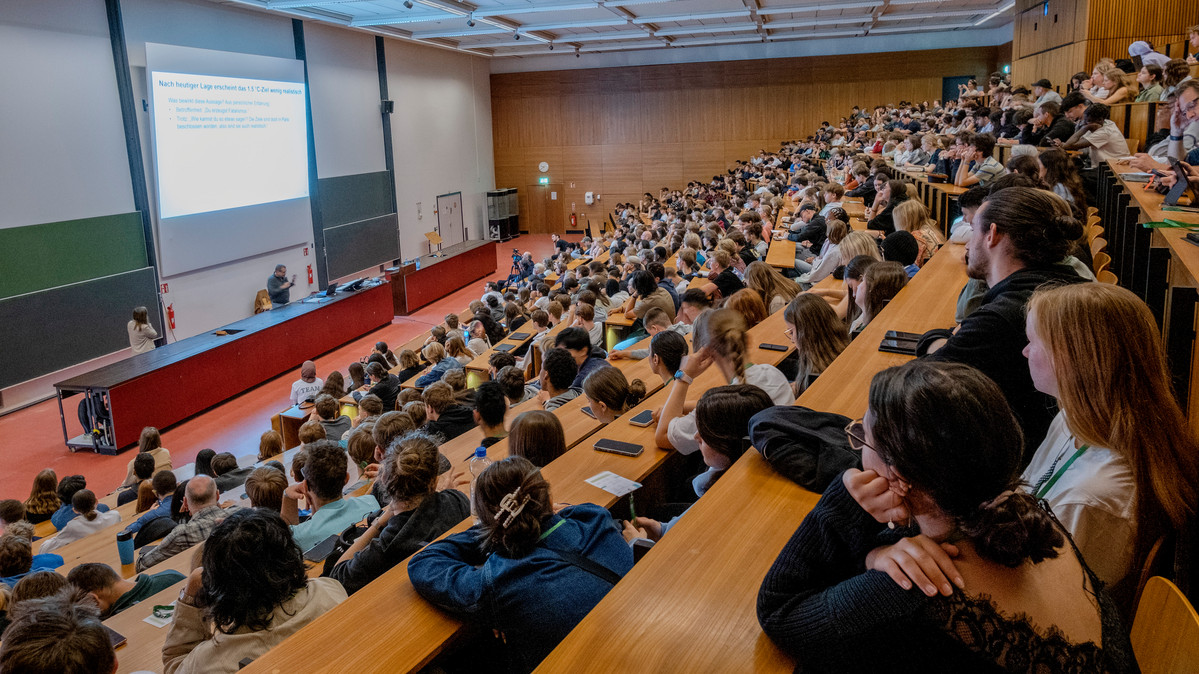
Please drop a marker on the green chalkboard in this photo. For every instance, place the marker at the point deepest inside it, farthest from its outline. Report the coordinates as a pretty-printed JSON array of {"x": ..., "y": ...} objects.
[{"x": 37, "y": 257}]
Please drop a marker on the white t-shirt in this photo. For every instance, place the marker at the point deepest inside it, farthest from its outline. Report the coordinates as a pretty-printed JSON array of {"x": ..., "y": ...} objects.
[
  {"x": 1094, "y": 499},
  {"x": 681, "y": 430},
  {"x": 1106, "y": 143},
  {"x": 302, "y": 390}
]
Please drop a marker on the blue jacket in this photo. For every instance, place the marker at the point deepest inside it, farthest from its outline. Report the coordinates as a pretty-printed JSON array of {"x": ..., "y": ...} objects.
[
  {"x": 47, "y": 561},
  {"x": 535, "y": 600},
  {"x": 66, "y": 513},
  {"x": 163, "y": 509},
  {"x": 444, "y": 365},
  {"x": 595, "y": 360}
]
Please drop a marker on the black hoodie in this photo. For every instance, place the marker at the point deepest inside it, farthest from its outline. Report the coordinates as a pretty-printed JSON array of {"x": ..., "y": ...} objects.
[{"x": 454, "y": 421}]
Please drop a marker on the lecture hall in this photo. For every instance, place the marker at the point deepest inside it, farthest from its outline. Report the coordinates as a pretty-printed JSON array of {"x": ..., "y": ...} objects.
[{"x": 510, "y": 336}]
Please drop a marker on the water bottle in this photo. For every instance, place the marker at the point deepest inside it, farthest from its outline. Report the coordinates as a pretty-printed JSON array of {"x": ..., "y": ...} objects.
[{"x": 478, "y": 463}]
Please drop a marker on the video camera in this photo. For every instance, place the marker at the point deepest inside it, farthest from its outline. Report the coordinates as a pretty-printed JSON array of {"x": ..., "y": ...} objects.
[{"x": 516, "y": 256}]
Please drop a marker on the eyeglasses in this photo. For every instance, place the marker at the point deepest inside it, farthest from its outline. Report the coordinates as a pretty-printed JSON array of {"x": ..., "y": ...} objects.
[
  {"x": 856, "y": 432},
  {"x": 790, "y": 332}
]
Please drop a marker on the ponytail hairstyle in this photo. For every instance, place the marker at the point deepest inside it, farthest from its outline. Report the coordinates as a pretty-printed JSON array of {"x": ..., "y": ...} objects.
[
  {"x": 609, "y": 386},
  {"x": 1115, "y": 390},
  {"x": 670, "y": 347},
  {"x": 84, "y": 502},
  {"x": 727, "y": 338},
  {"x": 923, "y": 414},
  {"x": 722, "y": 416},
  {"x": 510, "y": 499},
  {"x": 1038, "y": 223}
]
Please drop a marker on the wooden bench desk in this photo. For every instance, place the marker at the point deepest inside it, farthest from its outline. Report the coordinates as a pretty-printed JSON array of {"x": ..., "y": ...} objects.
[
  {"x": 477, "y": 369},
  {"x": 616, "y": 327},
  {"x": 690, "y": 604},
  {"x": 781, "y": 254}
]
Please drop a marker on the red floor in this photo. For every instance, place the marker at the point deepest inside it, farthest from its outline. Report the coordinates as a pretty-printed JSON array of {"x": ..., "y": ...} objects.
[{"x": 33, "y": 436}]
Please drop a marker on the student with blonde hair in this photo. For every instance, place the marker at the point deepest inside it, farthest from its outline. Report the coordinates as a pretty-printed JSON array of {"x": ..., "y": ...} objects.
[
  {"x": 1120, "y": 465},
  {"x": 719, "y": 339},
  {"x": 912, "y": 216},
  {"x": 818, "y": 335},
  {"x": 442, "y": 363},
  {"x": 855, "y": 244},
  {"x": 455, "y": 348},
  {"x": 772, "y": 287}
]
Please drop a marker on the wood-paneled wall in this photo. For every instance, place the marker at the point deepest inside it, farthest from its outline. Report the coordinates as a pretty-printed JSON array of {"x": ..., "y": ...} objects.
[
  {"x": 1075, "y": 34},
  {"x": 619, "y": 132}
]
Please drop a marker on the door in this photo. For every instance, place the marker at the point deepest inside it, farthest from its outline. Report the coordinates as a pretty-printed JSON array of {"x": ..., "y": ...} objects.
[
  {"x": 547, "y": 210},
  {"x": 949, "y": 87}
]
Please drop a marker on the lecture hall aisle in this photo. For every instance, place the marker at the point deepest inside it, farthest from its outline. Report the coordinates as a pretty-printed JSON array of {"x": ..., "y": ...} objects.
[{"x": 32, "y": 437}]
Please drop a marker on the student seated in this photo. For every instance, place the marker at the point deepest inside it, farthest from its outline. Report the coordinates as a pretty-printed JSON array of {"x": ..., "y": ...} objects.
[
  {"x": 818, "y": 335},
  {"x": 143, "y": 468},
  {"x": 442, "y": 363},
  {"x": 719, "y": 340},
  {"x": 88, "y": 522},
  {"x": 114, "y": 593},
  {"x": 228, "y": 474},
  {"x": 265, "y": 488},
  {"x": 56, "y": 634},
  {"x": 328, "y": 412},
  {"x": 722, "y": 417},
  {"x": 410, "y": 365},
  {"x": 490, "y": 408},
  {"x": 201, "y": 500},
  {"x": 307, "y": 386},
  {"x": 164, "y": 484},
  {"x": 1019, "y": 236},
  {"x": 512, "y": 381},
  {"x": 446, "y": 417},
  {"x": 66, "y": 491},
  {"x": 16, "y": 555},
  {"x": 1119, "y": 466},
  {"x": 656, "y": 322},
  {"x": 250, "y": 594},
  {"x": 150, "y": 443},
  {"x": 610, "y": 394},
  {"x": 326, "y": 472},
  {"x": 587, "y": 357},
  {"x": 555, "y": 383},
  {"x": 43, "y": 497},
  {"x": 978, "y": 578},
  {"x": 538, "y": 436},
  {"x": 416, "y": 512},
  {"x": 879, "y": 285},
  {"x": 540, "y": 572}
]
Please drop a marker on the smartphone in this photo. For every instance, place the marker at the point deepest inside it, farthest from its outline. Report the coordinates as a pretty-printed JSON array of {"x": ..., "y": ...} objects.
[
  {"x": 643, "y": 419},
  {"x": 904, "y": 336},
  {"x": 774, "y": 347},
  {"x": 618, "y": 447},
  {"x": 588, "y": 412},
  {"x": 114, "y": 637},
  {"x": 897, "y": 346},
  {"x": 519, "y": 335}
]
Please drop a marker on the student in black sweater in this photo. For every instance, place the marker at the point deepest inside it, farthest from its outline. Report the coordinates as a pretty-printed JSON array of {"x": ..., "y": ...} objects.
[
  {"x": 416, "y": 513},
  {"x": 941, "y": 453},
  {"x": 446, "y": 417}
]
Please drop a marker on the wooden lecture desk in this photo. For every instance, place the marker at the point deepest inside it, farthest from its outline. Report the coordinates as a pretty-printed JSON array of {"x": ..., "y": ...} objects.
[{"x": 690, "y": 604}]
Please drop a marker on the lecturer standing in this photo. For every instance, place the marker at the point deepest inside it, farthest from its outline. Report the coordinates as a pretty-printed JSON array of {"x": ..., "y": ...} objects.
[{"x": 278, "y": 287}]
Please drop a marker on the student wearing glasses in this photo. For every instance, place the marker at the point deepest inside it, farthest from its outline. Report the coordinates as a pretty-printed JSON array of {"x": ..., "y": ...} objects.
[{"x": 974, "y": 577}]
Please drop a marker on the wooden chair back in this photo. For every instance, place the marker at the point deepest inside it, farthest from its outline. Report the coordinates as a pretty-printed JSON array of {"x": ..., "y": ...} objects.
[
  {"x": 1101, "y": 261},
  {"x": 1106, "y": 276},
  {"x": 1165, "y": 633},
  {"x": 262, "y": 302},
  {"x": 1097, "y": 244}
]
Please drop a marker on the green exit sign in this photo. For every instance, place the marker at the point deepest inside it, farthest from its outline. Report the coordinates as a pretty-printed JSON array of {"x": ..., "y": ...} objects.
[{"x": 544, "y": 180}]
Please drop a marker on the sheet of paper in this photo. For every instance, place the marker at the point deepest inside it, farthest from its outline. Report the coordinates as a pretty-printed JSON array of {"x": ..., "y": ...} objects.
[
  {"x": 159, "y": 622},
  {"x": 613, "y": 483}
]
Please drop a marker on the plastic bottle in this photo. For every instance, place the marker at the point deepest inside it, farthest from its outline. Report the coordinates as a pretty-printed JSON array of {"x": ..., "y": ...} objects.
[{"x": 478, "y": 463}]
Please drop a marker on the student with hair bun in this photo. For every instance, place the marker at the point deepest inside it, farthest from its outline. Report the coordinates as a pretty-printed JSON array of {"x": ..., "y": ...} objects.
[
  {"x": 523, "y": 570},
  {"x": 977, "y": 577},
  {"x": 88, "y": 521},
  {"x": 416, "y": 513},
  {"x": 610, "y": 394},
  {"x": 1018, "y": 236},
  {"x": 719, "y": 339},
  {"x": 1120, "y": 465}
]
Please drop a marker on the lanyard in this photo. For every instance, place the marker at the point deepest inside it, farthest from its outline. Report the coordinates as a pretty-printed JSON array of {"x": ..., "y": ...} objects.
[
  {"x": 551, "y": 530},
  {"x": 1044, "y": 488}
]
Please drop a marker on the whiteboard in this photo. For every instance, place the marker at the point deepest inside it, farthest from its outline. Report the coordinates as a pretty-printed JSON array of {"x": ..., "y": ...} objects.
[{"x": 449, "y": 219}]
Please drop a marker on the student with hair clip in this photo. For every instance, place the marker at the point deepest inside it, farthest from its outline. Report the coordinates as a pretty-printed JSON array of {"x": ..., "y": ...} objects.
[
  {"x": 818, "y": 335},
  {"x": 416, "y": 513},
  {"x": 719, "y": 339},
  {"x": 880, "y": 283},
  {"x": 976, "y": 577},
  {"x": 1119, "y": 466},
  {"x": 610, "y": 394},
  {"x": 538, "y": 436},
  {"x": 722, "y": 432},
  {"x": 524, "y": 571}
]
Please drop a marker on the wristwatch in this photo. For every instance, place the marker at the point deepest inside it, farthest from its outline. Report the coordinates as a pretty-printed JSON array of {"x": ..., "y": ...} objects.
[
  {"x": 683, "y": 377},
  {"x": 1175, "y": 137}
]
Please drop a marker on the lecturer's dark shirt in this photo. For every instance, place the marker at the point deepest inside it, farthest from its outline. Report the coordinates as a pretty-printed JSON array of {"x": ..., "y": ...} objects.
[{"x": 279, "y": 294}]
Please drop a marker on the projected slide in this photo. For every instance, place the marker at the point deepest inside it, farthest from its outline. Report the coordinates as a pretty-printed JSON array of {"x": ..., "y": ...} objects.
[{"x": 227, "y": 142}]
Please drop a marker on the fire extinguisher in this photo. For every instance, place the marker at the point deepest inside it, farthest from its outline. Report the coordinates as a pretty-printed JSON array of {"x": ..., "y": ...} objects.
[
  {"x": 574, "y": 221},
  {"x": 171, "y": 315},
  {"x": 310, "y": 274}
]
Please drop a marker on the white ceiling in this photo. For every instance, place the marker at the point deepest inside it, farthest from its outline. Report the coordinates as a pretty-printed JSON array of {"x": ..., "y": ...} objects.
[{"x": 522, "y": 28}]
